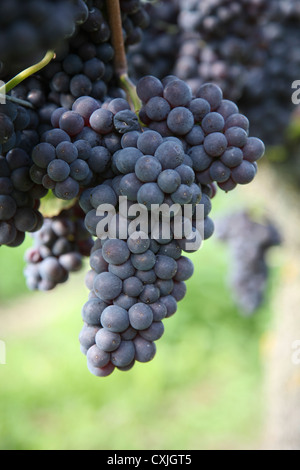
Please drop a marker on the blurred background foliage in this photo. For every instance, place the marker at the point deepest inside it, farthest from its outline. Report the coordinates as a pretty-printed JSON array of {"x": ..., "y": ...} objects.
[{"x": 203, "y": 390}]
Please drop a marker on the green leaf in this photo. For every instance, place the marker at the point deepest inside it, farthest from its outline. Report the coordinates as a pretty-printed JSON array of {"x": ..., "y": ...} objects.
[{"x": 51, "y": 206}]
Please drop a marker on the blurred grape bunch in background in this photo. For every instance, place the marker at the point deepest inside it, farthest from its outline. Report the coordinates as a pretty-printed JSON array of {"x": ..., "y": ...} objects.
[{"x": 249, "y": 243}]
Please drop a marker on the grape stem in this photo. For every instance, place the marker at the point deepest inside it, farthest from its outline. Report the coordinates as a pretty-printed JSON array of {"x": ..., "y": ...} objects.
[
  {"x": 120, "y": 59},
  {"x": 130, "y": 89},
  {"x": 20, "y": 102},
  {"x": 115, "y": 23},
  {"x": 27, "y": 73}
]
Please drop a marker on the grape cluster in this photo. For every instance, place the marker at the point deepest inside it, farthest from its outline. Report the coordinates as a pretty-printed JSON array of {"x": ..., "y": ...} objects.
[
  {"x": 219, "y": 18},
  {"x": 14, "y": 119},
  {"x": 156, "y": 53},
  {"x": 249, "y": 242},
  {"x": 19, "y": 198},
  {"x": 138, "y": 217},
  {"x": 58, "y": 250},
  {"x": 239, "y": 44},
  {"x": 77, "y": 152},
  {"x": 29, "y": 29},
  {"x": 215, "y": 134},
  {"x": 134, "y": 285}
]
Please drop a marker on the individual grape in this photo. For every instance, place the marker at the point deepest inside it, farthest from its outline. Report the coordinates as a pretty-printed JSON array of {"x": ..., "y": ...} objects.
[
  {"x": 99, "y": 159},
  {"x": 55, "y": 137},
  {"x": 79, "y": 170},
  {"x": 195, "y": 136},
  {"x": 228, "y": 185},
  {"x": 67, "y": 151},
  {"x": 232, "y": 157},
  {"x": 67, "y": 189},
  {"x": 51, "y": 270},
  {"x": 212, "y": 94},
  {"x": 154, "y": 332},
  {"x": 150, "y": 294},
  {"x": 237, "y": 120},
  {"x": 199, "y": 107},
  {"x": 132, "y": 286},
  {"x": 180, "y": 121},
  {"x": 126, "y": 121},
  {"x": 43, "y": 154},
  {"x": 159, "y": 310},
  {"x": 92, "y": 310},
  {"x": 185, "y": 269},
  {"x": 148, "y": 142},
  {"x": 243, "y": 173},
  {"x": 127, "y": 158},
  {"x": 253, "y": 150},
  {"x": 215, "y": 144},
  {"x": 177, "y": 93},
  {"x": 101, "y": 371},
  {"x": 8, "y": 207},
  {"x": 117, "y": 105},
  {"x": 165, "y": 267},
  {"x": 97, "y": 357},
  {"x": 183, "y": 195},
  {"x": 103, "y": 194},
  {"x": 17, "y": 158},
  {"x": 144, "y": 350},
  {"x": 130, "y": 186},
  {"x": 170, "y": 154},
  {"x": 125, "y": 301},
  {"x": 72, "y": 123},
  {"x": 87, "y": 336},
  {"x": 107, "y": 340},
  {"x": 170, "y": 302},
  {"x": 124, "y": 355},
  {"x": 58, "y": 170},
  {"x": 129, "y": 139},
  {"x": 150, "y": 194},
  {"x": 8, "y": 233},
  {"x": 209, "y": 228},
  {"x": 129, "y": 334},
  {"x": 140, "y": 316},
  {"x": 80, "y": 85},
  {"x": 213, "y": 122},
  {"x": 186, "y": 173},
  {"x": 169, "y": 181},
  {"x": 122, "y": 271},
  {"x": 165, "y": 286},
  {"x": 236, "y": 137},
  {"x": 171, "y": 249},
  {"x": 115, "y": 252},
  {"x": 219, "y": 172},
  {"x": 149, "y": 87},
  {"x": 25, "y": 219},
  {"x": 200, "y": 158},
  {"x": 144, "y": 261},
  {"x": 138, "y": 242},
  {"x": 107, "y": 286},
  {"x": 147, "y": 168},
  {"x": 115, "y": 319},
  {"x": 101, "y": 121},
  {"x": 179, "y": 290},
  {"x": 94, "y": 69},
  {"x": 6, "y": 128},
  {"x": 146, "y": 277},
  {"x": 157, "y": 108}
]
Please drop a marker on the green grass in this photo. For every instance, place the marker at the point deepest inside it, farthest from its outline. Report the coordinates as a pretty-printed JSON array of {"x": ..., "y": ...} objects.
[
  {"x": 203, "y": 390},
  {"x": 12, "y": 282}
]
